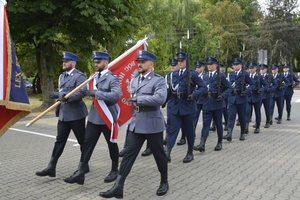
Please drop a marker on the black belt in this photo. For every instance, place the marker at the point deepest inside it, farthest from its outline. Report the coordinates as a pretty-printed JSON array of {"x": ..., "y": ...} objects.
[
  {"x": 180, "y": 95},
  {"x": 109, "y": 104},
  {"x": 255, "y": 91},
  {"x": 211, "y": 94},
  {"x": 72, "y": 102},
  {"x": 238, "y": 91},
  {"x": 146, "y": 108}
]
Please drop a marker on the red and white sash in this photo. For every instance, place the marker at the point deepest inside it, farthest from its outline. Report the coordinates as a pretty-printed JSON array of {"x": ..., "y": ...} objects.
[{"x": 105, "y": 113}]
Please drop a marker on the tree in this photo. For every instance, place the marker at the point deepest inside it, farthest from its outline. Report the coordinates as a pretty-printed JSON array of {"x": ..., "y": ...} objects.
[{"x": 82, "y": 23}]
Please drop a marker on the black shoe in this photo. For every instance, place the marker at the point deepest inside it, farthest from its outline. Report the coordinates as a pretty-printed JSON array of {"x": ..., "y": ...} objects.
[
  {"x": 168, "y": 153},
  {"x": 201, "y": 146},
  {"x": 271, "y": 121},
  {"x": 213, "y": 127},
  {"x": 276, "y": 118},
  {"x": 257, "y": 128},
  {"x": 78, "y": 176},
  {"x": 226, "y": 126},
  {"x": 228, "y": 137},
  {"x": 254, "y": 126},
  {"x": 122, "y": 153},
  {"x": 112, "y": 176},
  {"x": 117, "y": 190},
  {"x": 189, "y": 156},
  {"x": 147, "y": 152},
  {"x": 279, "y": 120},
  {"x": 288, "y": 117},
  {"x": 50, "y": 170},
  {"x": 163, "y": 186},
  {"x": 242, "y": 136},
  {"x": 247, "y": 128},
  {"x": 267, "y": 125},
  {"x": 238, "y": 123},
  {"x": 219, "y": 145},
  {"x": 182, "y": 141}
]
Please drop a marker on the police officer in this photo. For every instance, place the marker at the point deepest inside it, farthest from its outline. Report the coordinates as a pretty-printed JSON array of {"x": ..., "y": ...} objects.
[
  {"x": 174, "y": 67},
  {"x": 278, "y": 93},
  {"x": 107, "y": 90},
  {"x": 71, "y": 113},
  {"x": 213, "y": 103},
  {"x": 203, "y": 75},
  {"x": 184, "y": 106},
  {"x": 288, "y": 93},
  {"x": 267, "y": 94},
  {"x": 255, "y": 99},
  {"x": 149, "y": 93},
  {"x": 238, "y": 98}
]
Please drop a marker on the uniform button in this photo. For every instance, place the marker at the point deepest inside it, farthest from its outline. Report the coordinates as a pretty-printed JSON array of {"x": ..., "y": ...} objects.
[{"x": 179, "y": 81}]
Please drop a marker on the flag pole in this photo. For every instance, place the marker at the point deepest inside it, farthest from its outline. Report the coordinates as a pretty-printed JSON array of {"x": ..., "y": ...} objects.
[{"x": 59, "y": 102}]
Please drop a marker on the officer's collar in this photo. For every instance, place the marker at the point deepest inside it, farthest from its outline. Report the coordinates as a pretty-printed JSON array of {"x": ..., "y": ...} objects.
[
  {"x": 70, "y": 72},
  {"x": 104, "y": 72},
  {"x": 145, "y": 76}
]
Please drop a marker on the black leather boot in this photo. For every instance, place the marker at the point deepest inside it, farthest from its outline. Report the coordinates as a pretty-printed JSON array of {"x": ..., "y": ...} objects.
[
  {"x": 271, "y": 119},
  {"x": 201, "y": 146},
  {"x": 182, "y": 141},
  {"x": 242, "y": 136},
  {"x": 257, "y": 128},
  {"x": 288, "y": 117},
  {"x": 228, "y": 137},
  {"x": 147, "y": 152},
  {"x": 238, "y": 123},
  {"x": 247, "y": 128},
  {"x": 50, "y": 170},
  {"x": 213, "y": 127},
  {"x": 189, "y": 156},
  {"x": 219, "y": 145},
  {"x": 168, "y": 153},
  {"x": 279, "y": 119},
  {"x": 163, "y": 186},
  {"x": 226, "y": 126},
  {"x": 117, "y": 190},
  {"x": 78, "y": 176},
  {"x": 122, "y": 153},
  {"x": 112, "y": 176},
  {"x": 165, "y": 140},
  {"x": 267, "y": 125}
]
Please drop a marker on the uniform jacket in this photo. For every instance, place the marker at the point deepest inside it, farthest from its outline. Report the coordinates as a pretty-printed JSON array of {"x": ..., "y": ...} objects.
[
  {"x": 74, "y": 108},
  {"x": 108, "y": 90},
  {"x": 204, "y": 77},
  {"x": 150, "y": 92},
  {"x": 236, "y": 83},
  {"x": 168, "y": 82},
  {"x": 289, "y": 90},
  {"x": 285, "y": 83},
  {"x": 182, "y": 106},
  {"x": 264, "y": 85},
  {"x": 211, "y": 103},
  {"x": 265, "y": 94}
]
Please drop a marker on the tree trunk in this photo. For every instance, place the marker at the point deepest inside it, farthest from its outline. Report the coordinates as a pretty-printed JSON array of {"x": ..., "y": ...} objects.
[{"x": 47, "y": 81}]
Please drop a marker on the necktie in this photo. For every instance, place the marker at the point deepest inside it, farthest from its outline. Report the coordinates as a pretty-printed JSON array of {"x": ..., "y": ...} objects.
[
  {"x": 181, "y": 72},
  {"x": 99, "y": 75},
  {"x": 142, "y": 78},
  {"x": 210, "y": 75},
  {"x": 251, "y": 76},
  {"x": 236, "y": 73},
  {"x": 66, "y": 76}
]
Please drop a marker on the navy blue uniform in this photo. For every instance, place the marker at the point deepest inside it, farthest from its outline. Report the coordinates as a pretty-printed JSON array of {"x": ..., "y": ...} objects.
[
  {"x": 289, "y": 91},
  {"x": 266, "y": 97},
  {"x": 212, "y": 109},
  {"x": 182, "y": 111},
  {"x": 237, "y": 103},
  {"x": 255, "y": 99},
  {"x": 278, "y": 94}
]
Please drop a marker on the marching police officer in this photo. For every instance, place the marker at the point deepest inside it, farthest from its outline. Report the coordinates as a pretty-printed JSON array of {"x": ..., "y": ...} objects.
[
  {"x": 214, "y": 103},
  {"x": 174, "y": 67},
  {"x": 203, "y": 75},
  {"x": 288, "y": 93},
  {"x": 278, "y": 93},
  {"x": 149, "y": 93},
  {"x": 238, "y": 98},
  {"x": 105, "y": 89},
  {"x": 71, "y": 113},
  {"x": 267, "y": 94},
  {"x": 184, "y": 106},
  {"x": 255, "y": 99}
]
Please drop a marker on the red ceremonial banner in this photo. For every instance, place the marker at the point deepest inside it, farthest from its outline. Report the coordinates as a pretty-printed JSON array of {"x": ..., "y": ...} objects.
[{"x": 124, "y": 67}]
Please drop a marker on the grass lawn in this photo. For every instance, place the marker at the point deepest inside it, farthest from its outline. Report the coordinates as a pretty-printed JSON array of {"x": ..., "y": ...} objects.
[{"x": 35, "y": 101}]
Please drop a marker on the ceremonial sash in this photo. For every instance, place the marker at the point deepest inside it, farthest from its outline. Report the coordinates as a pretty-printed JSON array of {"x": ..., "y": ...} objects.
[{"x": 105, "y": 113}]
